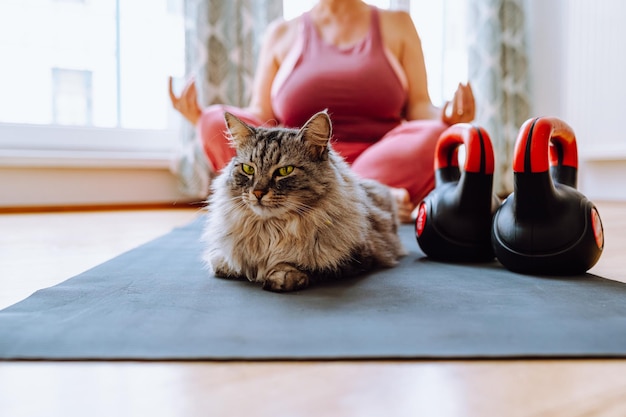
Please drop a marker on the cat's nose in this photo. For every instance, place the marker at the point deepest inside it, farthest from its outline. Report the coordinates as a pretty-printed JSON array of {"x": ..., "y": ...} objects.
[{"x": 259, "y": 194}]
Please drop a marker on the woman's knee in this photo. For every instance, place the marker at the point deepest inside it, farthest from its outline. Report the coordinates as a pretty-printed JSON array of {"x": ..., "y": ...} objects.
[
  {"x": 212, "y": 121},
  {"x": 212, "y": 131},
  {"x": 212, "y": 134},
  {"x": 429, "y": 129}
]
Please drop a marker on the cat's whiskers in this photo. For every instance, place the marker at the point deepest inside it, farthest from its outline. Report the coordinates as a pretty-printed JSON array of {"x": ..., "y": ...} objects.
[
  {"x": 239, "y": 202},
  {"x": 298, "y": 207}
]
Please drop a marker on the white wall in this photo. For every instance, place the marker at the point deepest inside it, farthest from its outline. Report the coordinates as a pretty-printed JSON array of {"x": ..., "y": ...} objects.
[
  {"x": 84, "y": 187},
  {"x": 577, "y": 66}
]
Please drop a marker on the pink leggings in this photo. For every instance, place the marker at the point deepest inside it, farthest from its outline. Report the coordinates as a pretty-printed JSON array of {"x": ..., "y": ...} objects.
[{"x": 403, "y": 158}]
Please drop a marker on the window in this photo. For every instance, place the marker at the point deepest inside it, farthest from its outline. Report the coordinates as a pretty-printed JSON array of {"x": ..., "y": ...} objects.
[
  {"x": 128, "y": 47},
  {"x": 71, "y": 97},
  {"x": 97, "y": 64},
  {"x": 441, "y": 26}
]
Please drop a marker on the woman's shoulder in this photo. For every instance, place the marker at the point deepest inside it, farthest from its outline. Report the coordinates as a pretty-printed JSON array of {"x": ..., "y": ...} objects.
[
  {"x": 397, "y": 30},
  {"x": 397, "y": 23},
  {"x": 281, "y": 29},
  {"x": 280, "y": 34},
  {"x": 396, "y": 18}
]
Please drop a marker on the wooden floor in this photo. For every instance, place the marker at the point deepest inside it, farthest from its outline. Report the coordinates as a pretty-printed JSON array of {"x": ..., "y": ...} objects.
[{"x": 39, "y": 250}]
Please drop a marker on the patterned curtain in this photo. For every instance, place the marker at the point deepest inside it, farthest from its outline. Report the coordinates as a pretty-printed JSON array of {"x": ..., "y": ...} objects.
[
  {"x": 222, "y": 41},
  {"x": 498, "y": 71}
]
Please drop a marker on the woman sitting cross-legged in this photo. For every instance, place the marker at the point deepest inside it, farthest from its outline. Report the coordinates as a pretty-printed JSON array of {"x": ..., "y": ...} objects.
[{"x": 366, "y": 67}]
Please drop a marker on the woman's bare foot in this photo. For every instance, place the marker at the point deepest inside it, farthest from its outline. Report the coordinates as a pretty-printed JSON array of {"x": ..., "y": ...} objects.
[
  {"x": 405, "y": 206},
  {"x": 414, "y": 213}
]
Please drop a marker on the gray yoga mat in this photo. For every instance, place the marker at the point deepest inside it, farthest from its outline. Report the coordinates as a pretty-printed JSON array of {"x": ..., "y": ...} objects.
[{"x": 157, "y": 303}]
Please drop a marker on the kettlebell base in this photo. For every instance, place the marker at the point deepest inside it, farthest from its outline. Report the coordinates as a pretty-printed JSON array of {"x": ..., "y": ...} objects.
[
  {"x": 442, "y": 248},
  {"x": 574, "y": 260}
]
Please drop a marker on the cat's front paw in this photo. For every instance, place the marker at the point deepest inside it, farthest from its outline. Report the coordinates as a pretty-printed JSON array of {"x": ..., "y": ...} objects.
[
  {"x": 284, "y": 278},
  {"x": 221, "y": 269}
]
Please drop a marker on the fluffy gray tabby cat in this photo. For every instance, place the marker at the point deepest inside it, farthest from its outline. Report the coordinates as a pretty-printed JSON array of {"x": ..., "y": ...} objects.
[{"x": 287, "y": 210}]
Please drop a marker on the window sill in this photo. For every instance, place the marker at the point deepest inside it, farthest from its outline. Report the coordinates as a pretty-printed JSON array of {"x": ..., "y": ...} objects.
[
  {"x": 10, "y": 158},
  {"x": 72, "y": 138},
  {"x": 52, "y": 146}
]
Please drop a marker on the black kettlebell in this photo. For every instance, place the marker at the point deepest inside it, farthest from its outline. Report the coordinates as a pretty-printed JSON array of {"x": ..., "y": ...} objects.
[
  {"x": 454, "y": 221},
  {"x": 546, "y": 226}
]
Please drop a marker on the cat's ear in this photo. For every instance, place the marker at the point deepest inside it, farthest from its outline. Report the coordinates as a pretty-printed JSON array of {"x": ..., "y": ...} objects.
[
  {"x": 239, "y": 130},
  {"x": 317, "y": 132}
]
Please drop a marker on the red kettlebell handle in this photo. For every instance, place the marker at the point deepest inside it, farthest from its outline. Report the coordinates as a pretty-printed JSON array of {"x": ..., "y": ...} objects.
[
  {"x": 543, "y": 142},
  {"x": 479, "y": 151}
]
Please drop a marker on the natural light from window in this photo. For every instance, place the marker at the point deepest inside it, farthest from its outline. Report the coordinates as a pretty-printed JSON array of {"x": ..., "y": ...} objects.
[{"x": 98, "y": 63}]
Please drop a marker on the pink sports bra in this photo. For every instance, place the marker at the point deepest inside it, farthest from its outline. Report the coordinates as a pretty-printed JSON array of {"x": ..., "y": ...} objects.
[{"x": 362, "y": 92}]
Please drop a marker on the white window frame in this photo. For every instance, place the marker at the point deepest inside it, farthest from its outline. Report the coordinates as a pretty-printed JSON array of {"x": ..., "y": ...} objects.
[
  {"x": 55, "y": 145},
  {"x": 24, "y": 145}
]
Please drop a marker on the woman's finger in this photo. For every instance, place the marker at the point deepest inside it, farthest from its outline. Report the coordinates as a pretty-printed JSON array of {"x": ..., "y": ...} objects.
[
  {"x": 173, "y": 97},
  {"x": 465, "y": 99},
  {"x": 191, "y": 83},
  {"x": 458, "y": 100},
  {"x": 445, "y": 113},
  {"x": 191, "y": 96},
  {"x": 470, "y": 104}
]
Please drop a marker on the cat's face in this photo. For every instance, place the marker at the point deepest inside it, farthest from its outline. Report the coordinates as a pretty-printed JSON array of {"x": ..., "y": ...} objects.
[{"x": 278, "y": 171}]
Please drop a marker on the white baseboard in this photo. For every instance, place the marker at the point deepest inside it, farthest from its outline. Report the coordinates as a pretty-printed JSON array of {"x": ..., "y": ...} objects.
[
  {"x": 603, "y": 179},
  {"x": 86, "y": 178},
  {"x": 68, "y": 178},
  {"x": 67, "y": 187}
]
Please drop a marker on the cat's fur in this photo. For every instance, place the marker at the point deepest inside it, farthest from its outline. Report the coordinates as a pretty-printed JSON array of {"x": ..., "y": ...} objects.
[{"x": 319, "y": 221}]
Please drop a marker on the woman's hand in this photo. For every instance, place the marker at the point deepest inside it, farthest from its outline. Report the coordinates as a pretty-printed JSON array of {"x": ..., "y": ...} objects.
[
  {"x": 462, "y": 108},
  {"x": 187, "y": 102}
]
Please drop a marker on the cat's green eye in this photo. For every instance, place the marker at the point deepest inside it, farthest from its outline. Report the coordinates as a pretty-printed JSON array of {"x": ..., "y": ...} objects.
[
  {"x": 247, "y": 169},
  {"x": 284, "y": 171}
]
